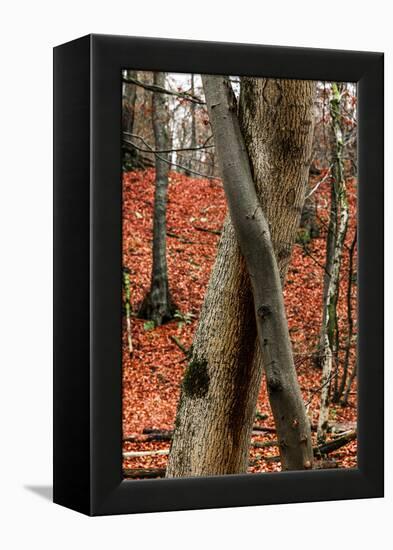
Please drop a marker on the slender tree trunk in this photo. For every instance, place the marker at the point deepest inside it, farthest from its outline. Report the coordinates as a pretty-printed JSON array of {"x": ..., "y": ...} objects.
[
  {"x": 344, "y": 401},
  {"x": 221, "y": 384},
  {"x": 340, "y": 390},
  {"x": 129, "y": 99},
  {"x": 127, "y": 303},
  {"x": 157, "y": 305},
  {"x": 345, "y": 386},
  {"x": 191, "y": 160},
  {"x": 308, "y": 221},
  {"x": 330, "y": 248},
  {"x": 329, "y": 328}
]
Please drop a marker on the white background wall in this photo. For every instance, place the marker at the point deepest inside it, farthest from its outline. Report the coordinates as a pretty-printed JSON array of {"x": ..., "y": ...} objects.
[{"x": 29, "y": 30}]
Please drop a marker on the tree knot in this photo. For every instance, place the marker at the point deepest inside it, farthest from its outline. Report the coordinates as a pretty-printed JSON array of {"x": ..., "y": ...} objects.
[
  {"x": 274, "y": 384},
  {"x": 196, "y": 379},
  {"x": 263, "y": 311}
]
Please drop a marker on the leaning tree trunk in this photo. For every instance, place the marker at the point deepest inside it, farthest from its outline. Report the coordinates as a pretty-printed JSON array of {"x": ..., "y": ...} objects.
[
  {"x": 222, "y": 381},
  {"x": 157, "y": 305},
  {"x": 329, "y": 342}
]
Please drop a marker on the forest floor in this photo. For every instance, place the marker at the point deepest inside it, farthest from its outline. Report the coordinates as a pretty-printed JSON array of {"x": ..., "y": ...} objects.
[{"x": 153, "y": 375}]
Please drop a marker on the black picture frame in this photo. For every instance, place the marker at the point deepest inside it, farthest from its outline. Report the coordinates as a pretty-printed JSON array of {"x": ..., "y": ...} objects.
[{"x": 87, "y": 275}]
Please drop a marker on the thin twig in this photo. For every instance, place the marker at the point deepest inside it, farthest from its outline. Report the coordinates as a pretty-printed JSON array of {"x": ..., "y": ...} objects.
[
  {"x": 155, "y": 88},
  {"x": 333, "y": 374},
  {"x": 308, "y": 253},
  {"x": 320, "y": 182},
  {"x": 152, "y": 151},
  {"x": 205, "y": 176}
]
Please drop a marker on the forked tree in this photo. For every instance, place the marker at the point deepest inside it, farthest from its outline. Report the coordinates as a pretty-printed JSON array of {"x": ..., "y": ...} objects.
[{"x": 264, "y": 157}]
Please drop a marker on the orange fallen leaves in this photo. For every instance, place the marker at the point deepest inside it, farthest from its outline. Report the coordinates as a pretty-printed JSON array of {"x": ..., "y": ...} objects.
[{"x": 152, "y": 377}]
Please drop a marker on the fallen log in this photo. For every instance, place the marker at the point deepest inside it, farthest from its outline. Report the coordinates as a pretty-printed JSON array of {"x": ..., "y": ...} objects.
[
  {"x": 256, "y": 429},
  {"x": 133, "y": 454},
  {"x": 143, "y": 473},
  {"x": 335, "y": 444},
  {"x": 167, "y": 434},
  {"x": 157, "y": 431},
  {"x": 207, "y": 230},
  {"x": 181, "y": 239},
  {"x": 325, "y": 464},
  {"x": 325, "y": 448},
  {"x": 142, "y": 438},
  {"x": 264, "y": 444},
  {"x": 155, "y": 434}
]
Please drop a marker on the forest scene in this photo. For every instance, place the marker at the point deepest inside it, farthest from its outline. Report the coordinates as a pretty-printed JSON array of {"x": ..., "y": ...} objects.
[{"x": 239, "y": 274}]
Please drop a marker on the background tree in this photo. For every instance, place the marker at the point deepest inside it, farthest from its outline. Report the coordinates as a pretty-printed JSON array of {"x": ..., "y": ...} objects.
[
  {"x": 129, "y": 100},
  {"x": 221, "y": 384},
  {"x": 157, "y": 304},
  {"x": 346, "y": 379},
  {"x": 338, "y": 223}
]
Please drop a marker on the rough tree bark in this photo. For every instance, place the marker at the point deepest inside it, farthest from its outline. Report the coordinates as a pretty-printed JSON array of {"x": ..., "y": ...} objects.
[
  {"x": 221, "y": 384},
  {"x": 157, "y": 304}
]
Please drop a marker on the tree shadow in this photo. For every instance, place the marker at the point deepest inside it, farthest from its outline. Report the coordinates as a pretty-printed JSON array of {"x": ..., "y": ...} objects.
[{"x": 44, "y": 491}]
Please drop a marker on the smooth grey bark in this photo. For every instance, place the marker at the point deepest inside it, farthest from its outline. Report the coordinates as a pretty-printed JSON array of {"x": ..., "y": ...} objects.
[
  {"x": 191, "y": 163},
  {"x": 339, "y": 223},
  {"x": 253, "y": 234},
  {"x": 158, "y": 305},
  {"x": 221, "y": 384}
]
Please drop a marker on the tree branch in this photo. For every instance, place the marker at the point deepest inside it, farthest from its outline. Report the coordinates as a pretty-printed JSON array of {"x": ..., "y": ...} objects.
[
  {"x": 128, "y": 144},
  {"x": 151, "y": 150},
  {"x": 326, "y": 448},
  {"x": 159, "y": 89}
]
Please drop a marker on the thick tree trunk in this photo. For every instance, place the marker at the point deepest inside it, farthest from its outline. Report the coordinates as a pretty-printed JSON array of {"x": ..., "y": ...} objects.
[
  {"x": 157, "y": 305},
  {"x": 221, "y": 384}
]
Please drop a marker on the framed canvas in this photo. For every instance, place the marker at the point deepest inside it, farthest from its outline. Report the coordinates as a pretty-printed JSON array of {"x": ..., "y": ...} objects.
[{"x": 104, "y": 389}]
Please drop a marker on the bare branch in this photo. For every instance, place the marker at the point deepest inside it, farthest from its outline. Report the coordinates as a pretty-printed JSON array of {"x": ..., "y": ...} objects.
[
  {"x": 328, "y": 173},
  {"x": 128, "y": 144},
  {"x": 155, "y": 151},
  {"x": 159, "y": 89}
]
